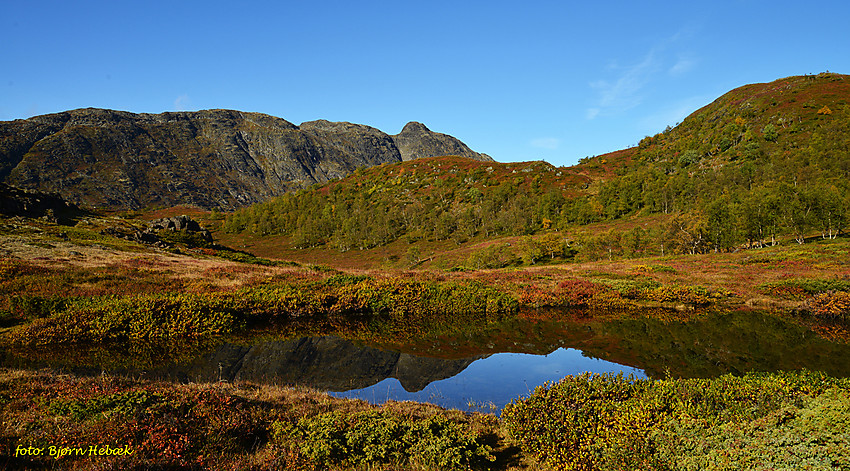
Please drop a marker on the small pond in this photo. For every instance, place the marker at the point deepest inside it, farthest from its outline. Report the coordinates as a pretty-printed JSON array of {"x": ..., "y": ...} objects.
[{"x": 482, "y": 367}]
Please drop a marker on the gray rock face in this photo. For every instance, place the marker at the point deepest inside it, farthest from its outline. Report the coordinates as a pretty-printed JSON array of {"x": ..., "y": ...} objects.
[
  {"x": 34, "y": 204},
  {"x": 213, "y": 159},
  {"x": 176, "y": 223},
  {"x": 415, "y": 141},
  {"x": 151, "y": 234}
]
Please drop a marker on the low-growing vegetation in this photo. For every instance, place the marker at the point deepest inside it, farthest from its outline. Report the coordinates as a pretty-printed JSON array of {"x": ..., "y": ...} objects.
[
  {"x": 376, "y": 437},
  {"x": 757, "y": 421},
  {"x": 799, "y": 288},
  {"x": 222, "y": 426},
  {"x": 406, "y": 305},
  {"x": 833, "y": 305}
]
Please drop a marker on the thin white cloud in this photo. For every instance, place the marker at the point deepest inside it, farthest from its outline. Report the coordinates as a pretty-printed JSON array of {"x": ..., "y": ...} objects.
[
  {"x": 551, "y": 143},
  {"x": 624, "y": 92},
  {"x": 627, "y": 89},
  {"x": 683, "y": 66},
  {"x": 182, "y": 103}
]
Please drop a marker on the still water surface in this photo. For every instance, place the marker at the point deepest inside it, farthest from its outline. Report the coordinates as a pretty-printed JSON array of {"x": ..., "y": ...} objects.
[
  {"x": 474, "y": 368},
  {"x": 490, "y": 383}
]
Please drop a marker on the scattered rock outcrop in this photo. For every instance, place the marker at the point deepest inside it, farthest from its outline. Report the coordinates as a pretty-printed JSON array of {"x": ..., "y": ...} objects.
[
  {"x": 177, "y": 224},
  {"x": 213, "y": 159},
  {"x": 35, "y": 204},
  {"x": 164, "y": 232}
]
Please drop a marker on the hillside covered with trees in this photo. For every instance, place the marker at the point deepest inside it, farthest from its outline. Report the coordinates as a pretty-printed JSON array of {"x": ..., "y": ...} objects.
[{"x": 762, "y": 162}]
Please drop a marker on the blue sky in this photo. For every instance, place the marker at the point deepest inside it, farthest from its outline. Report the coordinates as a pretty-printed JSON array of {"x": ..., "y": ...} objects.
[{"x": 531, "y": 80}]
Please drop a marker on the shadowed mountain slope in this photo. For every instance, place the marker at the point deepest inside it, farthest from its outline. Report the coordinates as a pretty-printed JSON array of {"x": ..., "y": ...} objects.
[{"x": 214, "y": 159}]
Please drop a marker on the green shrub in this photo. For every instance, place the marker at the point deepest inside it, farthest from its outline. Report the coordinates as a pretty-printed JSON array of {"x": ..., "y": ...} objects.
[
  {"x": 677, "y": 294},
  {"x": 33, "y": 307},
  {"x": 399, "y": 304},
  {"x": 582, "y": 421},
  {"x": 612, "y": 422},
  {"x": 243, "y": 257},
  {"x": 634, "y": 288},
  {"x": 803, "y": 287},
  {"x": 189, "y": 239},
  {"x": 383, "y": 437},
  {"x": 134, "y": 318},
  {"x": 125, "y": 403},
  {"x": 812, "y": 435},
  {"x": 345, "y": 279}
]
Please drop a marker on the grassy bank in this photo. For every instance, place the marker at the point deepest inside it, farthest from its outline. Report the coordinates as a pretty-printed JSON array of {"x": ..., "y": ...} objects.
[
  {"x": 758, "y": 421},
  {"x": 133, "y": 304},
  {"x": 409, "y": 306}
]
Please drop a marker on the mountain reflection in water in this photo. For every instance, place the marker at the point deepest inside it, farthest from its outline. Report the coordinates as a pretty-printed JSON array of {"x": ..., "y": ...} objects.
[
  {"x": 471, "y": 366},
  {"x": 490, "y": 383},
  {"x": 328, "y": 363},
  {"x": 345, "y": 369}
]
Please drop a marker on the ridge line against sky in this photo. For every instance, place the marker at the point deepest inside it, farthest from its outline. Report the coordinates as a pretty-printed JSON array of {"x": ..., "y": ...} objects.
[{"x": 554, "y": 81}]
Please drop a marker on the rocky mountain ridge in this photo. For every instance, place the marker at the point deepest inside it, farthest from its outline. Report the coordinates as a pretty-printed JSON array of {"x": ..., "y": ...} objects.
[{"x": 213, "y": 159}]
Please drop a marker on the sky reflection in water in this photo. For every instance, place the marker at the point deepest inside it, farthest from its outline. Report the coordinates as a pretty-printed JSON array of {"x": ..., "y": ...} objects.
[{"x": 494, "y": 380}]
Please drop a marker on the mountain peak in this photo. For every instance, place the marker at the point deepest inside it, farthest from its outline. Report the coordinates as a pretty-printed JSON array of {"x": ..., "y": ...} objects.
[
  {"x": 414, "y": 127},
  {"x": 416, "y": 141}
]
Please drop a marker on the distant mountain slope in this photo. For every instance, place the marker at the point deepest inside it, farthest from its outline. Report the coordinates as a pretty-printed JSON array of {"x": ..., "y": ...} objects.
[{"x": 220, "y": 159}]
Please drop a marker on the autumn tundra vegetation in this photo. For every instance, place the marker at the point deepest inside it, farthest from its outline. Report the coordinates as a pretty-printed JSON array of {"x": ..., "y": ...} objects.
[{"x": 742, "y": 210}]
